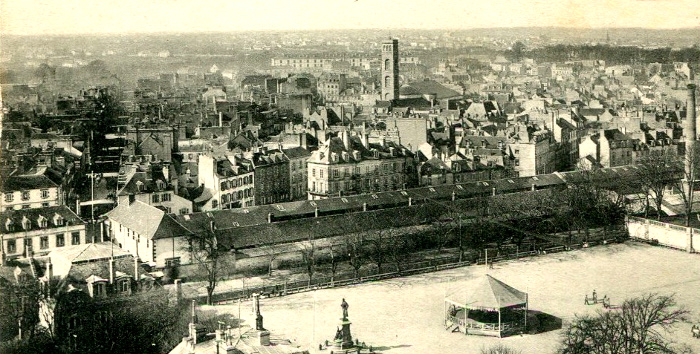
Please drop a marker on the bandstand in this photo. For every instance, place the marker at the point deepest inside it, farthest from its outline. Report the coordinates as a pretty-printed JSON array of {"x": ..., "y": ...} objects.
[{"x": 491, "y": 308}]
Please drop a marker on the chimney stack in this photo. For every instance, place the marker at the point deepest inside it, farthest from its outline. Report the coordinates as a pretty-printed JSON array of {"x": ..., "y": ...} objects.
[
  {"x": 346, "y": 139},
  {"x": 137, "y": 264},
  {"x": 111, "y": 270}
]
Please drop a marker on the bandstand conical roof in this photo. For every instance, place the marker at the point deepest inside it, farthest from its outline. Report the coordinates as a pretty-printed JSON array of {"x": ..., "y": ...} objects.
[{"x": 490, "y": 294}]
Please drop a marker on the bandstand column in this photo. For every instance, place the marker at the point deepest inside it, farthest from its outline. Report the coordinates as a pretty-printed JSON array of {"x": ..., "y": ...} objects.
[{"x": 499, "y": 322}]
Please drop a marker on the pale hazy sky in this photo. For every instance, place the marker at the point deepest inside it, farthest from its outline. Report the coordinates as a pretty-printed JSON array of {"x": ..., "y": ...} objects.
[{"x": 115, "y": 16}]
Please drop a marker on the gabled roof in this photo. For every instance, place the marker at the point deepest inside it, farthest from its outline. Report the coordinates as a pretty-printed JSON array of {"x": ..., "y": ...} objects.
[{"x": 151, "y": 222}]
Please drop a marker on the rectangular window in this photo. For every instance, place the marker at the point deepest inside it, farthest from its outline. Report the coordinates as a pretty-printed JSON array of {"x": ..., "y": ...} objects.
[
  {"x": 75, "y": 238},
  {"x": 44, "y": 193},
  {"x": 184, "y": 211},
  {"x": 99, "y": 289},
  {"x": 124, "y": 286},
  {"x": 11, "y": 246},
  {"x": 25, "y": 195},
  {"x": 44, "y": 205},
  {"x": 320, "y": 173},
  {"x": 335, "y": 173},
  {"x": 313, "y": 172},
  {"x": 166, "y": 197},
  {"x": 155, "y": 198},
  {"x": 60, "y": 240},
  {"x": 9, "y": 197},
  {"x": 25, "y": 206},
  {"x": 44, "y": 242}
]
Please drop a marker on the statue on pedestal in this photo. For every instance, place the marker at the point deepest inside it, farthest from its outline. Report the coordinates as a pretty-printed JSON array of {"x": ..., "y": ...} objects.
[{"x": 344, "y": 305}]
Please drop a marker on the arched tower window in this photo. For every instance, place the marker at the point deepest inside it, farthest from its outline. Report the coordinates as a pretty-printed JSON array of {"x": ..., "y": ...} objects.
[
  {"x": 386, "y": 64},
  {"x": 387, "y": 81}
]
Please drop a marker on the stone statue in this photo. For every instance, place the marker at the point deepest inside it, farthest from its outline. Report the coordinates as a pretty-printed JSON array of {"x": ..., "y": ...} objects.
[
  {"x": 338, "y": 334},
  {"x": 344, "y": 305}
]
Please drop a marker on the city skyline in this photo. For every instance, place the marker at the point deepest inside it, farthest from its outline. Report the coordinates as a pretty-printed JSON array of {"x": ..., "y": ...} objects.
[{"x": 188, "y": 16}]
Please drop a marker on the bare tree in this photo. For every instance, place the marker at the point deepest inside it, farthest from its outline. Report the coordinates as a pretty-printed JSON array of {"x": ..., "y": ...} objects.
[
  {"x": 687, "y": 183},
  {"x": 335, "y": 259},
  {"x": 377, "y": 246},
  {"x": 308, "y": 256},
  {"x": 205, "y": 252},
  {"x": 636, "y": 327},
  {"x": 400, "y": 248},
  {"x": 354, "y": 246},
  {"x": 272, "y": 253},
  {"x": 655, "y": 172}
]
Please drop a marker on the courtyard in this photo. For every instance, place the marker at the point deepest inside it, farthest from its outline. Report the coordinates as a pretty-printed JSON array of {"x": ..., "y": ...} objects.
[{"x": 404, "y": 315}]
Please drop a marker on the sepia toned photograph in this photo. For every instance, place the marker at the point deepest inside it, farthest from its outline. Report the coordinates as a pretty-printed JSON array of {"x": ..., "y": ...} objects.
[{"x": 349, "y": 177}]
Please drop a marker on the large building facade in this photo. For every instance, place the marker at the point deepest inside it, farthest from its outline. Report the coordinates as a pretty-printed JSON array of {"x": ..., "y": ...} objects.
[
  {"x": 348, "y": 165},
  {"x": 38, "y": 231}
]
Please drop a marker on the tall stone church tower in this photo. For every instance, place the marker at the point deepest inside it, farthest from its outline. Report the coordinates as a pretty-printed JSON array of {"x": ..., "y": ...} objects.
[{"x": 390, "y": 69}]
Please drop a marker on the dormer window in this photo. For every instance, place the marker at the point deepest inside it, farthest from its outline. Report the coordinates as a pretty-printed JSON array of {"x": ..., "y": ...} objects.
[
  {"x": 58, "y": 220},
  {"x": 376, "y": 154},
  {"x": 139, "y": 186},
  {"x": 42, "y": 222},
  {"x": 26, "y": 224},
  {"x": 9, "y": 225}
]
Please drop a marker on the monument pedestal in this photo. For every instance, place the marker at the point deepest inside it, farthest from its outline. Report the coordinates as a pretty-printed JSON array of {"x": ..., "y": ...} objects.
[{"x": 344, "y": 339}]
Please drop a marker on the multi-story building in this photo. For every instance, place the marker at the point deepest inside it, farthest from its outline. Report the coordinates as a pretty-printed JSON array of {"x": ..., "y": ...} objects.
[
  {"x": 230, "y": 181},
  {"x": 30, "y": 191},
  {"x": 153, "y": 187},
  {"x": 331, "y": 85},
  {"x": 611, "y": 148},
  {"x": 271, "y": 176},
  {"x": 533, "y": 151},
  {"x": 157, "y": 143},
  {"x": 351, "y": 165},
  {"x": 38, "y": 231},
  {"x": 320, "y": 62},
  {"x": 298, "y": 177}
]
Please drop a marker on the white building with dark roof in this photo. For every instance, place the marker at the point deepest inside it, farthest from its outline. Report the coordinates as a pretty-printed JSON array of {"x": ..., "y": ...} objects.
[
  {"x": 148, "y": 233},
  {"x": 34, "y": 232},
  {"x": 29, "y": 191}
]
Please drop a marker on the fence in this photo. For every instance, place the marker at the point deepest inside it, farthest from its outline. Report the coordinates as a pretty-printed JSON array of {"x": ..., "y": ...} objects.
[
  {"x": 665, "y": 234},
  {"x": 345, "y": 279}
]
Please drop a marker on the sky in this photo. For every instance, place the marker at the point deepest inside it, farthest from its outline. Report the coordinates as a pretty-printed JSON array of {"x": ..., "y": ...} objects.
[{"x": 34, "y": 17}]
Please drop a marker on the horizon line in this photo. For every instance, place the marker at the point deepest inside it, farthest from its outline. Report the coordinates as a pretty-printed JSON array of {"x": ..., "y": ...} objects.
[{"x": 164, "y": 32}]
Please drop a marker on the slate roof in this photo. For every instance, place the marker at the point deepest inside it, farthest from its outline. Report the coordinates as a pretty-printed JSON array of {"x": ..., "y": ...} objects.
[
  {"x": 19, "y": 183},
  {"x": 33, "y": 215},
  {"x": 146, "y": 220},
  {"x": 427, "y": 87},
  {"x": 296, "y": 152}
]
